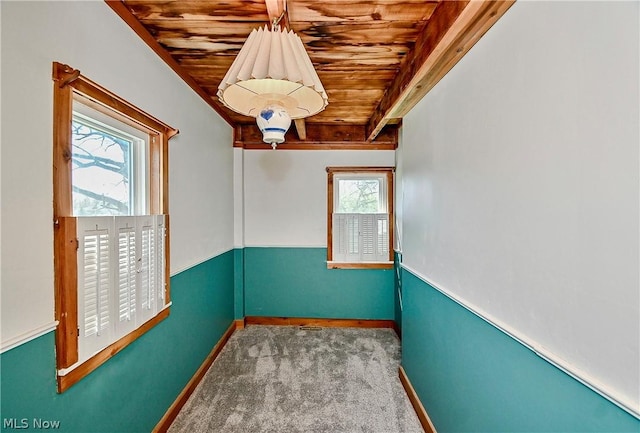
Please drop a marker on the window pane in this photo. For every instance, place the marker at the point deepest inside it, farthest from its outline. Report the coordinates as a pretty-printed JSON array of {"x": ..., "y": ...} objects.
[
  {"x": 102, "y": 172},
  {"x": 359, "y": 196}
]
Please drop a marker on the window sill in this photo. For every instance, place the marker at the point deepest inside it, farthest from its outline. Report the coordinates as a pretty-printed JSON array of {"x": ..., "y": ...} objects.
[{"x": 360, "y": 265}]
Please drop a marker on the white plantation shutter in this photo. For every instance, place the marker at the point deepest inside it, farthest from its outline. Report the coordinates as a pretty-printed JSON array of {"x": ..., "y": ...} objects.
[
  {"x": 382, "y": 236},
  {"x": 368, "y": 238},
  {"x": 161, "y": 231},
  {"x": 128, "y": 263},
  {"x": 339, "y": 237},
  {"x": 360, "y": 237},
  {"x": 94, "y": 282},
  {"x": 148, "y": 267},
  {"x": 352, "y": 227},
  {"x": 346, "y": 238},
  {"x": 151, "y": 282},
  {"x": 121, "y": 277}
]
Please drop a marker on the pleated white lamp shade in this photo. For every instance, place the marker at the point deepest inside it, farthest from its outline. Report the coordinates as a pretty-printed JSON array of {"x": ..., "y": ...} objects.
[{"x": 273, "y": 69}]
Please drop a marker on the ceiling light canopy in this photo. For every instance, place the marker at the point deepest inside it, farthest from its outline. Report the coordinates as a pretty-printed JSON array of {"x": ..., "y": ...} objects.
[{"x": 273, "y": 80}]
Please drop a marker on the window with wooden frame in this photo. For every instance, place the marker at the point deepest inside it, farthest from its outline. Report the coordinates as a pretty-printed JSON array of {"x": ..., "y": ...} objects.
[
  {"x": 360, "y": 217},
  {"x": 111, "y": 223}
]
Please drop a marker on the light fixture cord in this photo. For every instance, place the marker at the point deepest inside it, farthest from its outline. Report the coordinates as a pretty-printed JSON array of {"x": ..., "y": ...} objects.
[{"x": 276, "y": 21}]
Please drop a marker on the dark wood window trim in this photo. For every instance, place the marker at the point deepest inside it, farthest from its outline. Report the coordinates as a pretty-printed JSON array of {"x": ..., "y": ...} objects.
[
  {"x": 70, "y": 85},
  {"x": 331, "y": 171}
]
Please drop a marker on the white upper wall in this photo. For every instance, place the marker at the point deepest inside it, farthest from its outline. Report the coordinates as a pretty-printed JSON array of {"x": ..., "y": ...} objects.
[
  {"x": 285, "y": 193},
  {"x": 89, "y": 36},
  {"x": 520, "y": 178}
]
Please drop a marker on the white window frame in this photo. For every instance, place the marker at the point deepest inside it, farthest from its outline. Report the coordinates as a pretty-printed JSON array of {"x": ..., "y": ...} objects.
[{"x": 139, "y": 152}]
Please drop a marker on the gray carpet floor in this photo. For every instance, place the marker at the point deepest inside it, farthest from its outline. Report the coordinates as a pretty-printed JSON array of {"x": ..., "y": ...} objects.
[{"x": 290, "y": 379}]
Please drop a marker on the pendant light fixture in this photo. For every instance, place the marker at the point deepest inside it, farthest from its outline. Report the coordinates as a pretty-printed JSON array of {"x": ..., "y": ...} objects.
[{"x": 273, "y": 80}]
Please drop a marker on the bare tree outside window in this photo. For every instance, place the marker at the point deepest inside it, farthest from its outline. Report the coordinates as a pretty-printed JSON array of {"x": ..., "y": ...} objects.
[
  {"x": 101, "y": 171},
  {"x": 359, "y": 196}
]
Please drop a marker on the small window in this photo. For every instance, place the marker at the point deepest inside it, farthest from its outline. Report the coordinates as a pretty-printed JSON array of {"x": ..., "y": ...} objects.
[
  {"x": 111, "y": 233},
  {"x": 360, "y": 217}
]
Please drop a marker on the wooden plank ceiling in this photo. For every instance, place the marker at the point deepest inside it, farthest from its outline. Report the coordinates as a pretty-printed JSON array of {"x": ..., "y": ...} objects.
[{"x": 375, "y": 58}]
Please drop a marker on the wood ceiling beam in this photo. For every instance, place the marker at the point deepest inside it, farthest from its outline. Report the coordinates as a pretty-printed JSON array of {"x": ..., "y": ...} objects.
[
  {"x": 320, "y": 137},
  {"x": 301, "y": 128},
  {"x": 123, "y": 12},
  {"x": 453, "y": 29}
]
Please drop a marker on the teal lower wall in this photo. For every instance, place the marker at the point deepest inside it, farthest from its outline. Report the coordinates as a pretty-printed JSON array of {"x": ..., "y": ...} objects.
[
  {"x": 397, "y": 292},
  {"x": 295, "y": 282},
  {"x": 471, "y": 377},
  {"x": 133, "y": 390}
]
